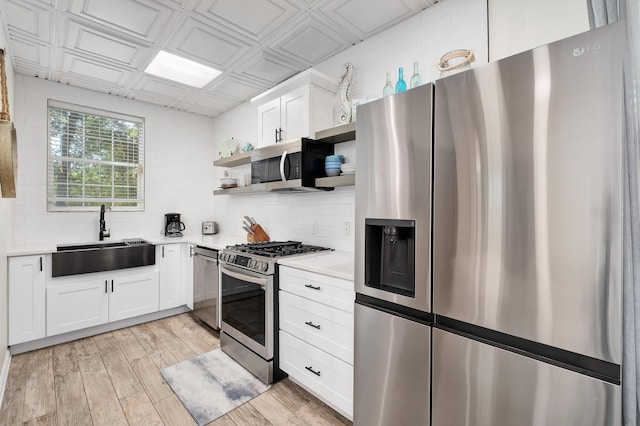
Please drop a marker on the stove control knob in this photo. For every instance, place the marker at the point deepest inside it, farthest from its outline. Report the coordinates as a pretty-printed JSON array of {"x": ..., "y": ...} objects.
[
  {"x": 264, "y": 266},
  {"x": 251, "y": 263}
]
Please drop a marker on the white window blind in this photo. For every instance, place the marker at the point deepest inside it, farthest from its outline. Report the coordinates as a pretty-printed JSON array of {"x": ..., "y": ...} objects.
[{"x": 95, "y": 157}]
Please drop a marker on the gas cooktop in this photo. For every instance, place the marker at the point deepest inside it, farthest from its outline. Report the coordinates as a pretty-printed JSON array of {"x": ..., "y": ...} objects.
[
  {"x": 275, "y": 248},
  {"x": 263, "y": 255}
]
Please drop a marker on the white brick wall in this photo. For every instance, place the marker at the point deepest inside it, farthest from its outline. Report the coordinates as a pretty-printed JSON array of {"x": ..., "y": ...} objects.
[{"x": 178, "y": 167}]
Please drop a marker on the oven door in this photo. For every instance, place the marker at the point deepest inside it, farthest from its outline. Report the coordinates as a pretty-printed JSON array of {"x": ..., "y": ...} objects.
[{"x": 247, "y": 308}]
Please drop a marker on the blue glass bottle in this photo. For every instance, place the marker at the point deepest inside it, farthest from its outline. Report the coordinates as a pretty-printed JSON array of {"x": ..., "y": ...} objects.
[{"x": 401, "y": 86}]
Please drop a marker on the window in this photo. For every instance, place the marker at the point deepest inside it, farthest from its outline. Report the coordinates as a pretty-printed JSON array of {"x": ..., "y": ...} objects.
[{"x": 95, "y": 157}]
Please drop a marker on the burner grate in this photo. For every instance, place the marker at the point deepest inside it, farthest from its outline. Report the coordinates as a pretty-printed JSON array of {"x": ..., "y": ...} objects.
[{"x": 274, "y": 249}]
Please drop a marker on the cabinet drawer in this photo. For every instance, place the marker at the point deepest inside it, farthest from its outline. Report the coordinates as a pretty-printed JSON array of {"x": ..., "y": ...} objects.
[
  {"x": 326, "y": 328},
  {"x": 320, "y": 288},
  {"x": 328, "y": 377}
]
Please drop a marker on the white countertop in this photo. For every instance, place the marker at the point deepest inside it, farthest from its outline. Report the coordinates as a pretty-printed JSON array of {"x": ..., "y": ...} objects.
[
  {"x": 217, "y": 241},
  {"x": 339, "y": 264}
]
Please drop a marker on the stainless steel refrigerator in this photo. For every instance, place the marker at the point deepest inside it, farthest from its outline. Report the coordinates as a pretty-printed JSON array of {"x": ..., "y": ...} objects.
[
  {"x": 527, "y": 247},
  {"x": 392, "y": 260}
]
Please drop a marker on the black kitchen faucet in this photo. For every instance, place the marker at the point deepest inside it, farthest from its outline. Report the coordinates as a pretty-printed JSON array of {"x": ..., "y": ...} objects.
[{"x": 103, "y": 225}]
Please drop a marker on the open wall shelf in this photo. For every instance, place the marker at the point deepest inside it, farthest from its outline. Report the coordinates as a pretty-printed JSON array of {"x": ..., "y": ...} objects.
[{"x": 338, "y": 134}]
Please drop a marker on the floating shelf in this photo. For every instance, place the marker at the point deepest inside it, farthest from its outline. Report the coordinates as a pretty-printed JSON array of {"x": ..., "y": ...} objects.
[
  {"x": 342, "y": 133},
  {"x": 233, "y": 191},
  {"x": 334, "y": 181},
  {"x": 234, "y": 160}
]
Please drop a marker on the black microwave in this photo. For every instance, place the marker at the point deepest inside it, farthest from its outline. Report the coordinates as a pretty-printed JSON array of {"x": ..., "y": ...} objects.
[{"x": 289, "y": 166}]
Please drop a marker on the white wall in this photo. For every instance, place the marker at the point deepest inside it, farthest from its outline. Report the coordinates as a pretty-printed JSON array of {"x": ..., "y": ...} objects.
[
  {"x": 6, "y": 216},
  {"x": 519, "y": 25},
  {"x": 178, "y": 167},
  {"x": 448, "y": 25}
]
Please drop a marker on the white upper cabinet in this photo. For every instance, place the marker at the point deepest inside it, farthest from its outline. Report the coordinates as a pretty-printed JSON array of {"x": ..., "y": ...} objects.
[
  {"x": 296, "y": 108},
  {"x": 269, "y": 122}
]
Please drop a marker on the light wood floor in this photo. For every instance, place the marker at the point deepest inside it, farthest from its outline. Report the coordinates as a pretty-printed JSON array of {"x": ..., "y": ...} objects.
[{"x": 114, "y": 379}]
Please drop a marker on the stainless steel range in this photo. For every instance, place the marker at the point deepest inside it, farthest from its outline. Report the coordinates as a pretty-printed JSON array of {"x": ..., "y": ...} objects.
[{"x": 248, "y": 282}]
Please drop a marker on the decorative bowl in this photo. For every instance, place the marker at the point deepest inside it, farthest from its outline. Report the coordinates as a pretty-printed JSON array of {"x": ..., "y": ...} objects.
[{"x": 227, "y": 181}]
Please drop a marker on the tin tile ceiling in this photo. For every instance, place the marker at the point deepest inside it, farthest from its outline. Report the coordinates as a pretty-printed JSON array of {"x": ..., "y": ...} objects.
[{"x": 105, "y": 45}]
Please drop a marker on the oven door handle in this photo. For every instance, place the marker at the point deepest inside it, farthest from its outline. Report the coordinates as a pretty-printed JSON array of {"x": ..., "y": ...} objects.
[
  {"x": 262, "y": 282},
  {"x": 282, "y": 161}
]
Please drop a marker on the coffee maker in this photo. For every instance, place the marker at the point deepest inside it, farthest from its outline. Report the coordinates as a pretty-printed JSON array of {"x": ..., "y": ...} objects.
[{"x": 173, "y": 225}]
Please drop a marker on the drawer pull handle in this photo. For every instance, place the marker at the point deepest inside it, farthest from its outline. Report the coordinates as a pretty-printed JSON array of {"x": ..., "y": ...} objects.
[
  {"x": 317, "y": 373},
  {"x": 310, "y": 324},
  {"x": 312, "y": 287}
]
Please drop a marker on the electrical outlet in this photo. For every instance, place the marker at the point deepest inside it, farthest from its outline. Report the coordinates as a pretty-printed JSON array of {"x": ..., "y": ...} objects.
[
  {"x": 346, "y": 229},
  {"x": 314, "y": 227}
]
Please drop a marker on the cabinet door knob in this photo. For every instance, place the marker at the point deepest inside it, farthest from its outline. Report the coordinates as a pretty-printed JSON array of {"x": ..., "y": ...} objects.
[
  {"x": 40, "y": 263},
  {"x": 111, "y": 286},
  {"x": 317, "y": 373},
  {"x": 105, "y": 286},
  {"x": 162, "y": 251},
  {"x": 312, "y": 287}
]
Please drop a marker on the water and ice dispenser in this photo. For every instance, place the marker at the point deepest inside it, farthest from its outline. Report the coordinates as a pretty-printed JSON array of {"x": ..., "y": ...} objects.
[{"x": 390, "y": 248}]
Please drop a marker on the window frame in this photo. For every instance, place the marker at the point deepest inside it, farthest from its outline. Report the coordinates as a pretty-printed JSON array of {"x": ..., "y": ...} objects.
[{"x": 109, "y": 201}]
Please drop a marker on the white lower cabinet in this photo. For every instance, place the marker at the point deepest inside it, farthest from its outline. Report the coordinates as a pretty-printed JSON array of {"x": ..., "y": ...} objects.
[
  {"x": 328, "y": 377},
  {"x": 82, "y": 301},
  {"x": 316, "y": 335},
  {"x": 134, "y": 295},
  {"x": 27, "y": 280},
  {"x": 77, "y": 305},
  {"x": 169, "y": 258},
  {"x": 40, "y": 305}
]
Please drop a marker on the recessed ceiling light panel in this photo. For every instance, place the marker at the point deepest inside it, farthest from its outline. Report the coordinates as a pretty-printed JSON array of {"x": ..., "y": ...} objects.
[{"x": 185, "y": 71}]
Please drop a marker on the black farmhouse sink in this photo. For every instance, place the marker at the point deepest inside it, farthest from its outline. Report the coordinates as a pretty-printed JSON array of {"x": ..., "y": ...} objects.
[{"x": 73, "y": 259}]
